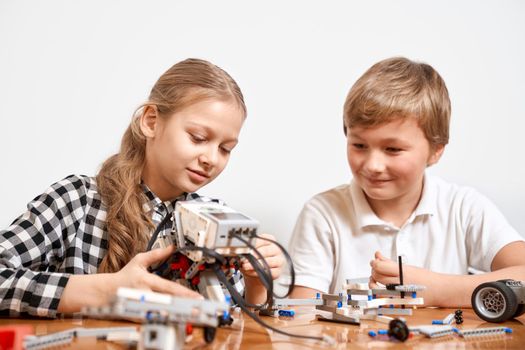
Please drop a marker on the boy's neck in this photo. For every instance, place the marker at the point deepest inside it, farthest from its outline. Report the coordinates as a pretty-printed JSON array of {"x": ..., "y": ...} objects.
[{"x": 396, "y": 210}]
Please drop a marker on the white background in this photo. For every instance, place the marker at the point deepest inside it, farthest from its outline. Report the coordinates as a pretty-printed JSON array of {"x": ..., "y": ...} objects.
[{"x": 72, "y": 72}]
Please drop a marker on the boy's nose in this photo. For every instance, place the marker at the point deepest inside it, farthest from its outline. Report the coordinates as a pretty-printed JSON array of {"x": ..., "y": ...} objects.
[{"x": 375, "y": 162}]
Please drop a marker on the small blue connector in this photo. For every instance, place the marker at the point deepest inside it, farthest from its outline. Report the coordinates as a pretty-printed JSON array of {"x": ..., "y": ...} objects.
[
  {"x": 372, "y": 333},
  {"x": 287, "y": 313}
]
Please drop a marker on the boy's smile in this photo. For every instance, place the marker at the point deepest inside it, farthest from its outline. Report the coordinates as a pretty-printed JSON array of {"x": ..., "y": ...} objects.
[{"x": 388, "y": 162}]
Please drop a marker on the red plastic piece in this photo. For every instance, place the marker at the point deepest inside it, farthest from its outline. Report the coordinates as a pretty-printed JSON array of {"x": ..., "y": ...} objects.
[{"x": 12, "y": 337}]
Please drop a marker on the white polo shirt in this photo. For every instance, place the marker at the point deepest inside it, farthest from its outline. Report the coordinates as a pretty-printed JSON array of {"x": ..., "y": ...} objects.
[{"x": 452, "y": 228}]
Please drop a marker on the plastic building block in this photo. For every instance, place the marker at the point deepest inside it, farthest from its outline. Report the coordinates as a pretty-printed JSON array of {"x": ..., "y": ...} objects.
[
  {"x": 458, "y": 316},
  {"x": 11, "y": 337},
  {"x": 434, "y": 331},
  {"x": 287, "y": 313},
  {"x": 479, "y": 332},
  {"x": 398, "y": 329},
  {"x": 499, "y": 301}
]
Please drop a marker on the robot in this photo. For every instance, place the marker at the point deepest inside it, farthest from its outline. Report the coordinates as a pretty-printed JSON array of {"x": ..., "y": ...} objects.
[{"x": 499, "y": 301}]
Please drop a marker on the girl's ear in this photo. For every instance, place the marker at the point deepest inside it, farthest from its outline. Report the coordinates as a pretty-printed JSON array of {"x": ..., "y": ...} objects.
[
  {"x": 435, "y": 154},
  {"x": 149, "y": 120}
]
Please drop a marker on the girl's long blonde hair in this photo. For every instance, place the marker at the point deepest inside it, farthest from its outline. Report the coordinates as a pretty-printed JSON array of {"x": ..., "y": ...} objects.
[{"x": 119, "y": 179}]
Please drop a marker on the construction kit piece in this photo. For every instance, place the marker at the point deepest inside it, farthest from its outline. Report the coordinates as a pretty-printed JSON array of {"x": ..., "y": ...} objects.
[
  {"x": 481, "y": 332},
  {"x": 433, "y": 331},
  {"x": 397, "y": 329},
  {"x": 34, "y": 342},
  {"x": 11, "y": 337},
  {"x": 212, "y": 240},
  {"x": 499, "y": 301},
  {"x": 447, "y": 320},
  {"x": 165, "y": 311},
  {"x": 436, "y": 331},
  {"x": 359, "y": 302},
  {"x": 377, "y": 305},
  {"x": 458, "y": 316}
]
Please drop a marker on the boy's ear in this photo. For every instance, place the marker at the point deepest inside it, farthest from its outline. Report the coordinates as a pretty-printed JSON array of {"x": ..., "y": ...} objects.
[
  {"x": 435, "y": 154},
  {"x": 149, "y": 121}
]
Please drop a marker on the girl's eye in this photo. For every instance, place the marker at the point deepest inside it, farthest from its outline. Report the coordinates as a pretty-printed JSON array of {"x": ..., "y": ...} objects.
[
  {"x": 226, "y": 150},
  {"x": 358, "y": 146},
  {"x": 393, "y": 149},
  {"x": 197, "y": 138}
]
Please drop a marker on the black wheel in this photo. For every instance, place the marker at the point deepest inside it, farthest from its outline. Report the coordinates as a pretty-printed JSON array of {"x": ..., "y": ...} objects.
[
  {"x": 519, "y": 311},
  {"x": 398, "y": 329},
  {"x": 494, "y": 302},
  {"x": 209, "y": 334}
]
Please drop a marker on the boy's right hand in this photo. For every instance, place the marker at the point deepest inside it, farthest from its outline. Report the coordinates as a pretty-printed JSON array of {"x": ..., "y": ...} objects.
[{"x": 136, "y": 275}]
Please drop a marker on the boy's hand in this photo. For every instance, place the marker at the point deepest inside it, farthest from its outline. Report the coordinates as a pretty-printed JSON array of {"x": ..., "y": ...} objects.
[
  {"x": 386, "y": 271},
  {"x": 271, "y": 253},
  {"x": 255, "y": 291},
  {"x": 136, "y": 275}
]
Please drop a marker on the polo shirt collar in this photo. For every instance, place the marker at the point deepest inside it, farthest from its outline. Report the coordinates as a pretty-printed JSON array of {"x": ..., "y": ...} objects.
[
  {"x": 365, "y": 216},
  {"x": 428, "y": 202}
]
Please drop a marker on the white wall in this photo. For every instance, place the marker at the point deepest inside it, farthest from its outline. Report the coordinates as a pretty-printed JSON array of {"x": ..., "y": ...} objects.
[{"x": 72, "y": 72}]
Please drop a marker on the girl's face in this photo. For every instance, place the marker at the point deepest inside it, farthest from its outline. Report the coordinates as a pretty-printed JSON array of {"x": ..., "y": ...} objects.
[
  {"x": 190, "y": 148},
  {"x": 388, "y": 161}
]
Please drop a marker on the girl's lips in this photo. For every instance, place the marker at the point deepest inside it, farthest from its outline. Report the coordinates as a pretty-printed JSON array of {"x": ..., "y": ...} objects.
[{"x": 197, "y": 176}]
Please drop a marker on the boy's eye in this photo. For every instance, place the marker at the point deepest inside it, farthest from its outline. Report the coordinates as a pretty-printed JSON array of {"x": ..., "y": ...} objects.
[
  {"x": 393, "y": 149},
  {"x": 358, "y": 146}
]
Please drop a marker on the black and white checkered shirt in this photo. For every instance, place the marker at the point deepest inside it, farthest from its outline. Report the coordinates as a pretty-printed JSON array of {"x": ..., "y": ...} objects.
[{"x": 62, "y": 233}]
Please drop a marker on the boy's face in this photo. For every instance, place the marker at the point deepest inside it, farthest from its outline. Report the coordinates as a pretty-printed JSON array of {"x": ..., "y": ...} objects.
[
  {"x": 388, "y": 161},
  {"x": 190, "y": 148}
]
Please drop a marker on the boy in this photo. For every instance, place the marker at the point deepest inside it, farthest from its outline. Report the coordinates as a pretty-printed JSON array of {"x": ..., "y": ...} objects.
[{"x": 396, "y": 120}]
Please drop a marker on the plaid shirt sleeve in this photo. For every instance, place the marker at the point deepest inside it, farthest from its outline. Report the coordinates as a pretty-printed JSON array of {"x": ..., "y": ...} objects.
[{"x": 33, "y": 248}]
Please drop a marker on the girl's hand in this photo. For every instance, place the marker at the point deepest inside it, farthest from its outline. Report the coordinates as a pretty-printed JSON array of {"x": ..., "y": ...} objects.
[
  {"x": 271, "y": 253},
  {"x": 136, "y": 275}
]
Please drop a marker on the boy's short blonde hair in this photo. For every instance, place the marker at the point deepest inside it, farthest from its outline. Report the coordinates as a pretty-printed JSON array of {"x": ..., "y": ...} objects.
[{"x": 400, "y": 88}]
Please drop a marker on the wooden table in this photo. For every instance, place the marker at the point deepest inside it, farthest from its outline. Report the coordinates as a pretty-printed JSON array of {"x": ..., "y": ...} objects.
[{"x": 246, "y": 334}]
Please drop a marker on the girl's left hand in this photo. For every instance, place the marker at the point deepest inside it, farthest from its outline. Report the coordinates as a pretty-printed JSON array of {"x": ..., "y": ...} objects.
[{"x": 271, "y": 253}]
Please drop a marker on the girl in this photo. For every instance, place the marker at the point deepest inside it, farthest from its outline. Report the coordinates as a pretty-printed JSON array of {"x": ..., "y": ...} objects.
[{"x": 86, "y": 236}]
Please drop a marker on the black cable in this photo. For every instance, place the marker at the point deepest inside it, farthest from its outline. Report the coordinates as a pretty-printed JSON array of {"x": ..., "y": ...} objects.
[
  {"x": 242, "y": 304},
  {"x": 288, "y": 261},
  {"x": 158, "y": 229}
]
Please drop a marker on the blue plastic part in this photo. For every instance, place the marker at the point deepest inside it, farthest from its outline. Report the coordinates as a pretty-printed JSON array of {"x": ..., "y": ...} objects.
[
  {"x": 437, "y": 322},
  {"x": 508, "y": 330},
  {"x": 372, "y": 333},
  {"x": 339, "y": 304},
  {"x": 369, "y": 298},
  {"x": 349, "y": 296},
  {"x": 288, "y": 313},
  {"x": 382, "y": 331},
  {"x": 455, "y": 330},
  {"x": 414, "y": 294},
  {"x": 317, "y": 295}
]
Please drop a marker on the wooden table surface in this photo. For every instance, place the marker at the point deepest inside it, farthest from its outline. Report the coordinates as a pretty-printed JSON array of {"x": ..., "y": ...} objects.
[{"x": 244, "y": 333}]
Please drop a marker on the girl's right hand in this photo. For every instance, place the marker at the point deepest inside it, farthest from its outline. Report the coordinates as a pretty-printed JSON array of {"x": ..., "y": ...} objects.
[{"x": 136, "y": 275}]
